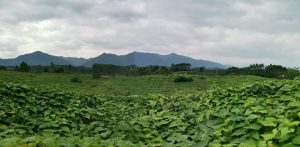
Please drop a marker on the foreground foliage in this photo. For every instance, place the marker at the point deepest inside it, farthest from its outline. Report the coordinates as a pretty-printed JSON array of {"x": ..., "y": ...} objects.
[{"x": 261, "y": 114}]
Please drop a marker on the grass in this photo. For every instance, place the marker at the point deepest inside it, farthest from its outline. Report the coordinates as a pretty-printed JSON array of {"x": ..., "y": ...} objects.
[{"x": 124, "y": 85}]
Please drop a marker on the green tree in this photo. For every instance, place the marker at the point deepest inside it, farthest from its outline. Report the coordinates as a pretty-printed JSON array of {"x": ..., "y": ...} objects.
[
  {"x": 24, "y": 67},
  {"x": 181, "y": 67},
  {"x": 95, "y": 71},
  {"x": 202, "y": 69},
  {"x": 2, "y": 68}
]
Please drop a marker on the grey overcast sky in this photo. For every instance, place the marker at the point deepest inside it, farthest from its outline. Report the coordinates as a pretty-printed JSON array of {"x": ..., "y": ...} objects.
[{"x": 237, "y": 32}]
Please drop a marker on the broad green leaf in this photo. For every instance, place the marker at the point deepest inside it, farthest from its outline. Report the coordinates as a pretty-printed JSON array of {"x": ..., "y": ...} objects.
[
  {"x": 239, "y": 132},
  {"x": 66, "y": 129},
  {"x": 285, "y": 131},
  {"x": 106, "y": 134},
  {"x": 289, "y": 145},
  {"x": 267, "y": 136},
  {"x": 296, "y": 140},
  {"x": 286, "y": 88},
  {"x": 249, "y": 143},
  {"x": 255, "y": 135},
  {"x": 293, "y": 123},
  {"x": 269, "y": 122},
  {"x": 162, "y": 122},
  {"x": 252, "y": 116},
  {"x": 262, "y": 144},
  {"x": 153, "y": 103},
  {"x": 50, "y": 141},
  {"x": 248, "y": 112},
  {"x": 293, "y": 104},
  {"x": 175, "y": 123},
  {"x": 253, "y": 126},
  {"x": 275, "y": 131},
  {"x": 202, "y": 143}
]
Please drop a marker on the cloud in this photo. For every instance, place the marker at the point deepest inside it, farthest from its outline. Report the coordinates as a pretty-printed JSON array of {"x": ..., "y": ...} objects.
[{"x": 231, "y": 32}]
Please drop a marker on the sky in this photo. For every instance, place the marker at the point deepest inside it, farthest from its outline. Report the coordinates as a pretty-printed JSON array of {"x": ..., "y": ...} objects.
[{"x": 236, "y": 32}]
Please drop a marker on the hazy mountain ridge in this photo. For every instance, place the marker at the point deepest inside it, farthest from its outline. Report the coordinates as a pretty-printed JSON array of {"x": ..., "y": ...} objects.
[
  {"x": 35, "y": 58},
  {"x": 76, "y": 61},
  {"x": 146, "y": 59},
  {"x": 134, "y": 58}
]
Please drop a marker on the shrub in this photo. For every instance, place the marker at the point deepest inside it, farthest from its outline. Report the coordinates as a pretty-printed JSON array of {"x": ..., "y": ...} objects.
[
  {"x": 46, "y": 69},
  {"x": 76, "y": 80},
  {"x": 183, "y": 79},
  {"x": 2, "y": 68},
  {"x": 297, "y": 78},
  {"x": 59, "y": 70}
]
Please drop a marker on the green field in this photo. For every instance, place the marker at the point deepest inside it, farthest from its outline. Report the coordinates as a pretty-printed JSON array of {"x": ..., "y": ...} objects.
[
  {"x": 125, "y": 85},
  {"x": 47, "y": 109},
  {"x": 262, "y": 114}
]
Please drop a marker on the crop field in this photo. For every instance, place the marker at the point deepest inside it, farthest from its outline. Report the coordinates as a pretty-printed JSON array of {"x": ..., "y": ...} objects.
[
  {"x": 125, "y": 85},
  {"x": 259, "y": 114},
  {"x": 47, "y": 109}
]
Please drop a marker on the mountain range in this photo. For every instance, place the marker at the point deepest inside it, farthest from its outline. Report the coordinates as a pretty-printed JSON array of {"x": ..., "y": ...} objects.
[{"x": 134, "y": 58}]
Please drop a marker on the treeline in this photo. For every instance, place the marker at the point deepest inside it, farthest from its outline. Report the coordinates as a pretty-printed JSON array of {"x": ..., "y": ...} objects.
[
  {"x": 52, "y": 68},
  {"x": 270, "y": 71},
  {"x": 109, "y": 69},
  {"x": 101, "y": 69}
]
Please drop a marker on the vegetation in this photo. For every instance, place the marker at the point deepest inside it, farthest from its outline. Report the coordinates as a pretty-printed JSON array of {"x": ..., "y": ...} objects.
[
  {"x": 195, "y": 107},
  {"x": 270, "y": 71},
  {"x": 98, "y": 70},
  {"x": 180, "y": 67},
  {"x": 76, "y": 80},
  {"x": 61, "y": 69},
  {"x": 109, "y": 69},
  {"x": 259, "y": 114},
  {"x": 24, "y": 67},
  {"x": 126, "y": 85},
  {"x": 180, "y": 79},
  {"x": 3, "y": 68}
]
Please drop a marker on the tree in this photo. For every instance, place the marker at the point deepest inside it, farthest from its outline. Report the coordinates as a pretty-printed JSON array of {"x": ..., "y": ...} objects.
[
  {"x": 202, "y": 69},
  {"x": 2, "y": 68},
  {"x": 181, "y": 67},
  {"x": 275, "y": 71},
  {"x": 256, "y": 66},
  {"x": 59, "y": 70},
  {"x": 46, "y": 69},
  {"x": 233, "y": 70},
  {"x": 95, "y": 71},
  {"x": 24, "y": 67}
]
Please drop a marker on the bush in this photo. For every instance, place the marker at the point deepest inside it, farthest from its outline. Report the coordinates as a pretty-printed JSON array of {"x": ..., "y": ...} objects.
[
  {"x": 59, "y": 70},
  {"x": 76, "y": 80},
  {"x": 46, "y": 69},
  {"x": 3, "y": 68},
  {"x": 297, "y": 78},
  {"x": 183, "y": 79}
]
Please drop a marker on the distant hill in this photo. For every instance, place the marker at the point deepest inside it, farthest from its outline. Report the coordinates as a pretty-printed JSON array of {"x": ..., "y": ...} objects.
[
  {"x": 35, "y": 58},
  {"x": 146, "y": 59},
  {"x": 76, "y": 61},
  {"x": 134, "y": 58}
]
